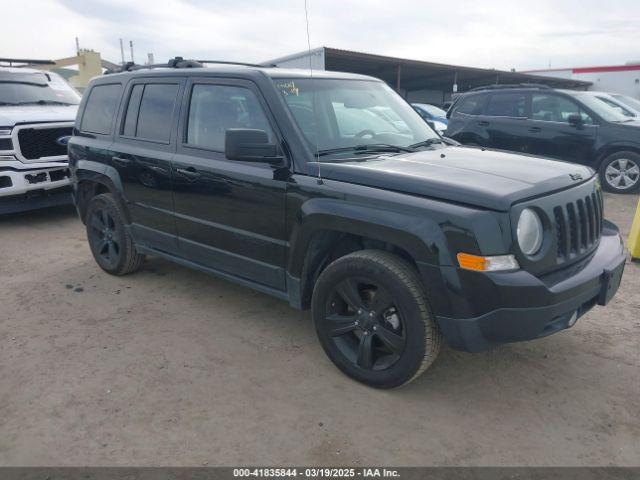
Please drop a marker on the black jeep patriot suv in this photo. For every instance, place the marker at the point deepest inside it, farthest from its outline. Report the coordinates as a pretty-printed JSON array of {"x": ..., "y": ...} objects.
[
  {"x": 563, "y": 124},
  {"x": 331, "y": 193}
]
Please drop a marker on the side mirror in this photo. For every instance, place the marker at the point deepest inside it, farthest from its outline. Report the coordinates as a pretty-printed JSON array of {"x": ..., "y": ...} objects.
[
  {"x": 575, "y": 120},
  {"x": 250, "y": 145}
]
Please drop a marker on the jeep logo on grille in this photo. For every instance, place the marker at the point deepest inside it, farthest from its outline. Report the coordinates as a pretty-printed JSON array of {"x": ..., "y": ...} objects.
[
  {"x": 64, "y": 141},
  {"x": 575, "y": 176}
]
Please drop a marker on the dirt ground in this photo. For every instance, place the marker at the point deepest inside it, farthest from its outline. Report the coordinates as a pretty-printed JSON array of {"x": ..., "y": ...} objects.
[{"x": 172, "y": 367}]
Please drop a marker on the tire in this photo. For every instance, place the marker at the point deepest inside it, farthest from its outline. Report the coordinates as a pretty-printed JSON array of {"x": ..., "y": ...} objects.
[
  {"x": 385, "y": 348},
  {"x": 620, "y": 172},
  {"x": 110, "y": 243}
]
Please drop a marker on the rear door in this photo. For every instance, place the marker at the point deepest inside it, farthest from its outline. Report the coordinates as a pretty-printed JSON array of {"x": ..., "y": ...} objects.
[
  {"x": 505, "y": 121},
  {"x": 552, "y": 135},
  {"x": 230, "y": 215},
  {"x": 145, "y": 144}
]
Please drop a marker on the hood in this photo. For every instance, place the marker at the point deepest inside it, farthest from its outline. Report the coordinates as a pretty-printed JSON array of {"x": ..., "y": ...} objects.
[
  {"x": 485, "y": 178},
  {"x": 11, "y": 116},
  {"x": 634, "y": 123}
]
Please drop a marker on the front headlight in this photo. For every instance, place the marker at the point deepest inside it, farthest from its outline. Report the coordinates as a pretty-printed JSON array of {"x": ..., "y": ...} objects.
[{"x": 529, "y": 232}]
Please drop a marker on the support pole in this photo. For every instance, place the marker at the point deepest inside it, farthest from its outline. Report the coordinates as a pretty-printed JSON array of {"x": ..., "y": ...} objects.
[
  {"x": 633, "y": 243},
  {"x": 398, "y": 77},
  {"x": 122, "y": 52}
]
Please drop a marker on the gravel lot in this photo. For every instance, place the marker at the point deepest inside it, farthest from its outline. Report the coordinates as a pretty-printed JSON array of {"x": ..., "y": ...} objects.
[{"x": 172, "y": 367}]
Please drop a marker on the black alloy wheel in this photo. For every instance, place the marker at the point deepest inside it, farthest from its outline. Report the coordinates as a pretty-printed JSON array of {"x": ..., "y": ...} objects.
[
  {"x": 110, "y": 242},
  {"x": 104, "y": 237},
  {"x": 365, "y": 324},
  {"x": 372, "y": 318}
]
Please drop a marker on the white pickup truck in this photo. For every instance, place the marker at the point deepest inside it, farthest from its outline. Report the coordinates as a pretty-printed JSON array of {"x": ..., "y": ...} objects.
[{"x": 37, "y": 112}]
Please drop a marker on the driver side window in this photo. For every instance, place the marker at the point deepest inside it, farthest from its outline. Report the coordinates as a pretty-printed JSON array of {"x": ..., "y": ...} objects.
[
  {"x": 216, "y": 108},
  {"x": 553, "y": 108}
]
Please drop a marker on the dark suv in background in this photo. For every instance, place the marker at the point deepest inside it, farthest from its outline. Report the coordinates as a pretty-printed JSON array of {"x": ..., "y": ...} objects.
[
  {"x": 567, "y": 125},
  {"x": 395, "y": 239}
]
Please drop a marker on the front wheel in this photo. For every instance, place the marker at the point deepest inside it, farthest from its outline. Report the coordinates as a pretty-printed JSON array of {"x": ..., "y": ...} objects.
[
  {"x": 371, "y": 316},
  {"x": 620, "y": 172}
]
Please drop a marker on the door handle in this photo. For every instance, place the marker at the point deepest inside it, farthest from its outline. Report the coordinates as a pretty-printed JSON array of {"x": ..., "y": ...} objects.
[
  {"x": 121, "y": 161},
  {"x": 535, "y": 129},
  {"x": 189, "y": 172},
  {"x": 483, "y": 123}
]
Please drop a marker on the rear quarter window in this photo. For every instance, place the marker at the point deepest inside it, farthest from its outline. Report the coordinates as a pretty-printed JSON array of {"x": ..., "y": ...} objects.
[
  {"x": 100, "y": 111},
  {"x": 470, "y": 105}
]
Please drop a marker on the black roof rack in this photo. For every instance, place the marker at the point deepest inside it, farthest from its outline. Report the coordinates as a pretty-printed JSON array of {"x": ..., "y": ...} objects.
[
  {"x": 24, "y": 62},
  {"x": 223, "y": 62},
  {"x": 177, "y": 62},
  {"x": 514, "y": 85}
]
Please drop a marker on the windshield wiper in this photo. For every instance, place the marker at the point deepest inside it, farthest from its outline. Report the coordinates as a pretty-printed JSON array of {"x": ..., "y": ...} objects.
[
  {"x": 368, "y": 148},
  {"x": 427, "y": 143},
  {"x": 8, "y": 103},
  {"x": 43, "y": 102}
]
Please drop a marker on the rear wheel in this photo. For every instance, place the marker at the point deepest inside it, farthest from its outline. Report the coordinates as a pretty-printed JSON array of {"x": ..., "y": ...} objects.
[
  {"x": 620, "y": 172},
  {"x": 372, "y": 319},
  {"x": 110, "y": 243}
]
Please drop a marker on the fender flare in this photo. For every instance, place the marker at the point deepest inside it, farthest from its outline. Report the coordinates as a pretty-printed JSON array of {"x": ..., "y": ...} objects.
[
  {"x": 423, "y": 240},
  {"x": 101, "y": 174},
  {"x": 611, "y": 148}
]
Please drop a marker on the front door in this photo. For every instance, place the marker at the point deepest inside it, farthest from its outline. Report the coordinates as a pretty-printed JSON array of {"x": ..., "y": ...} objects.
[
  {"x": 230, "y": 215},
  {"x": 551, "y": 134},
  {"x": 505, "y": 121}
]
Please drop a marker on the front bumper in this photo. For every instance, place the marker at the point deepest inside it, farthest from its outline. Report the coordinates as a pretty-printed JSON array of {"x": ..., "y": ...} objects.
[
  {"x": 516, "y": 306},
  {"x": 30, "y": 186}
]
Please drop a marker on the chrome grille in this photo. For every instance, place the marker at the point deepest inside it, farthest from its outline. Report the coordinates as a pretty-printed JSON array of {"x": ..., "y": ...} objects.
[{"x": 578, "y": 226}]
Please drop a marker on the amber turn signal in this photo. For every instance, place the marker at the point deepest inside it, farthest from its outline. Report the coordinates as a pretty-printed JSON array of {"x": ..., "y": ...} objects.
[{"x": 495, "y": 263}]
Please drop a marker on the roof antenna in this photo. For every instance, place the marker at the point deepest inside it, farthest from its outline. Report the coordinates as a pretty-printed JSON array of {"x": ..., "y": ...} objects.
[{"x": 313, "y": 90}]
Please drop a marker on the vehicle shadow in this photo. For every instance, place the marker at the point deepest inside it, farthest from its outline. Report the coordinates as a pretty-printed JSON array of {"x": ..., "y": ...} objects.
[{"x": 40, "y": 215}]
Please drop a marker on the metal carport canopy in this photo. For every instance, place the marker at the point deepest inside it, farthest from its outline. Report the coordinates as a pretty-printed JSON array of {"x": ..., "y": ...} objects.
[{"x": 410, "y": 75}]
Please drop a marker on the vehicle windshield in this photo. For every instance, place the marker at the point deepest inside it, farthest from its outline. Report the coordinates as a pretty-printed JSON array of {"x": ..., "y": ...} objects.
[
  {"x": 608, "y": 113},
  {"x": 431, "y": 110},
  {"x": 35, "y": 89},
  {"x": 616, "y": 105},
  {"x": 347, "y": 115},
  {"x": 629, "y": 101}
]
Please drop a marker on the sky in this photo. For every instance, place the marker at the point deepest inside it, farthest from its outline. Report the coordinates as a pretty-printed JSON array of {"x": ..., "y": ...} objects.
[{"x": 501, "y": 34}]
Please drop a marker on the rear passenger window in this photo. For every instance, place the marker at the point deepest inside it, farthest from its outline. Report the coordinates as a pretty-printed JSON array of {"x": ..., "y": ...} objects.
[
  {"x": 507, "y": 105},
  {"x": 156, "y": 112},
  {"x": 471, "y": 105},
  {"x": 131, "y": 118},
  {"x": 216, "y": 108},
  {"x": 101, "y": 108}
]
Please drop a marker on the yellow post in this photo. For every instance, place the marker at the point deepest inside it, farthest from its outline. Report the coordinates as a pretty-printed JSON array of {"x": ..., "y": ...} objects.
[{"x": 634, "y": 237}]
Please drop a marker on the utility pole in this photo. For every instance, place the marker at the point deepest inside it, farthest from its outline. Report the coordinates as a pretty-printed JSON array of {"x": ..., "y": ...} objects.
[
  {"x": 77, "y": 46},
  {"x": 122, "y": 52},
  {"x": 131, "y": 47}
]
